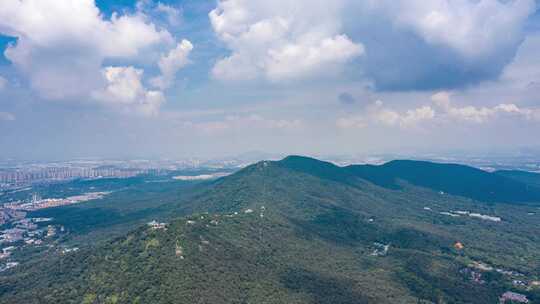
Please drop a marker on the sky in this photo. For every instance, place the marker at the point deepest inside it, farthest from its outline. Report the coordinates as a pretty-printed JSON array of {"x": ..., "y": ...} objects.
[{"x": 198, "y": 78}]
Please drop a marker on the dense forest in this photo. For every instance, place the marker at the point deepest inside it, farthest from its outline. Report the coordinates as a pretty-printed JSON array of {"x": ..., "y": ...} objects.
[{"x": 305, "y": 231}]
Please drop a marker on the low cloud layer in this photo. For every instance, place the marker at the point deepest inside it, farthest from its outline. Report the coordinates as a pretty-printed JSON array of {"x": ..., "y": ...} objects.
[
  {"x": 441, "y": 111},
  {"x": 482, "y": 114}
]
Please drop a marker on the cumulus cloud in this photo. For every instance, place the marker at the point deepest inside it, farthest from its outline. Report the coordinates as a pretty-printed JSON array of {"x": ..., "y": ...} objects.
[
  {"x": 524, "y": 69},
  {"x": 170, "y": 63},
  {"x": 378, "y": 114},
  {"x": 278, "y": 40},
  {"x": 406, "y": 44},
  {"x": 481, "y": 114},
  {"x": 472, "y": 28},
  {"x": 174, "y": 15},
  {"x": 408, "y": 119},
  {"x": 61, "y": 45},
  {"x": 442, "y": 111},
  {"x": 125, "y": 90},
  {"x": 439, "y": 44}
]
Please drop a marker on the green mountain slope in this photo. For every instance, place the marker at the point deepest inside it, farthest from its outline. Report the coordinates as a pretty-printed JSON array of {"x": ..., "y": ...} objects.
[
  {"x": 529, "y": 178},
  {"x": 297, "y": 231},
  {"x": 450, "y": 178}
]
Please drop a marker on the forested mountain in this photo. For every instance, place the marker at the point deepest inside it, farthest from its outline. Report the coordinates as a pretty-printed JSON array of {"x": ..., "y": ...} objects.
[
  {"x": 529, "y": 178},
  {"x": 305, "y": 231},
  {"x": 502, "y": 186}
]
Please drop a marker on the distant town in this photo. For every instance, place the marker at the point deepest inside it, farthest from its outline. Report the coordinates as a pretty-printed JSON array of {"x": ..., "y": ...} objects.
[
  {"x": 18, "y": 175},
  {"x": 37, "y": 202},
  {"x": 32, "y": 231},
  {"x": 20, "y": 196}
]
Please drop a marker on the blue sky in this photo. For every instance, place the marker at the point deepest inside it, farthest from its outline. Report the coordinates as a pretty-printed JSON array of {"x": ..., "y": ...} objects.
[{"x": 210, "y": 78}]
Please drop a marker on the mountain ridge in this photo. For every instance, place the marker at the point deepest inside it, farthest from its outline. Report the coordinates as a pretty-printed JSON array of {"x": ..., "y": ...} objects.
[{"x": 456, "y": 179}]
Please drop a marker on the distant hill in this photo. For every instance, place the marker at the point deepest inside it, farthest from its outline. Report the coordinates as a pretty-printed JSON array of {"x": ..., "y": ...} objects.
[
  {"x": 449, "y": 178},
  {"x": 304, "y": 231},
  {"x": 529, "y": 178}
]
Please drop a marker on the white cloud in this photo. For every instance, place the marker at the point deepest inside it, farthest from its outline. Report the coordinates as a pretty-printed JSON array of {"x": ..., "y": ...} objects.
[
  {"x": 387, "y": 117},
  {"x": 44, "y": 23},
  {"x": 481, "y": 114},
  {"x": 61, "y": 45},
  {"x": 441, "y": 112},
  {"x": 406, "y": 43},
  {"x": 378, "y": 114},
  {"x": 6, "y": 116},
  {"x": 278, "y": 40},
  {"x": 441, "y": 99},
  {"x": 525, "y": 68},
  {"x": 402, "y": 40},
  {"x": 171, "y": 14},
  {"x": 436, "y": 44},
  {"x": 439, "y": 44},
  {"x": 405, "y": 120},
  {"x": 471, "y": 27},
  {"x": 309, "y": 57},
  {"x": 125, "y": 90},
  {"x": 174, "y": 15},
  {"x": 444, "y": 111},
  {"x": 408, "y": 119},
  {"x": 170, "y": 63}
]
